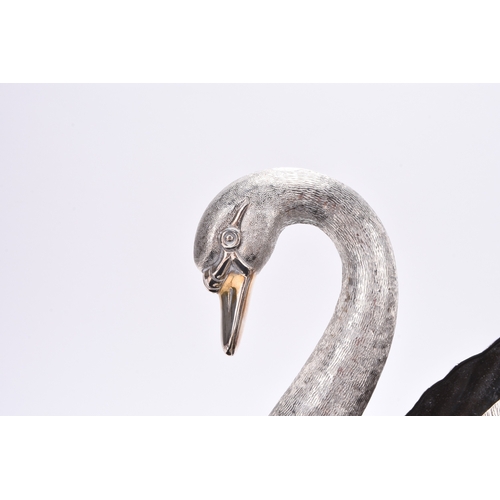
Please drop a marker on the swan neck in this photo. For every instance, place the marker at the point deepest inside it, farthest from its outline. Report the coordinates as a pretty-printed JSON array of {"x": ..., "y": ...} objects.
[{"x": 341, "y": 374}]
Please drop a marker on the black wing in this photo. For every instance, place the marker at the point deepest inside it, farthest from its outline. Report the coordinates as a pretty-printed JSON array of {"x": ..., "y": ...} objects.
[{"x": 471, "y": 388}]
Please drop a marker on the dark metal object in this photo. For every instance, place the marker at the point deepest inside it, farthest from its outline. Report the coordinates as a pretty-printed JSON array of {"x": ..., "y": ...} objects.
[{"x": 471, "y": 388}]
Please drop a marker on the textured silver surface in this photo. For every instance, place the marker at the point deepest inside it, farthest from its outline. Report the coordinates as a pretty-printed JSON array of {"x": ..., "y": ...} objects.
[
  {"x": 494, "y": 411},
  {"x": 342, "y": 371}
]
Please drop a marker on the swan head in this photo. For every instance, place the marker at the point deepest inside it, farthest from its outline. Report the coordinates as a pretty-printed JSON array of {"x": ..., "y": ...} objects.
[{"x": 235, "y": 238}]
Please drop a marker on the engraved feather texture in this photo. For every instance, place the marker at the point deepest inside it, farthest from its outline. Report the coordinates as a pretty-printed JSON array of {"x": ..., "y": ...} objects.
[
  {"x": 341, "y": 373},
  {"x": 494, "y": 411}
]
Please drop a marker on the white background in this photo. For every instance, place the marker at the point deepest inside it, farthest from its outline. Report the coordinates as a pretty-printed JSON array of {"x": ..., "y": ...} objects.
[{"x": 102, "y": 310}]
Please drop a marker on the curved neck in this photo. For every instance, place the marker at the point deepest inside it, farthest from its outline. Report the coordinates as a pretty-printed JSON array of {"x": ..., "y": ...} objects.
[{"x": 340, "y": 375}]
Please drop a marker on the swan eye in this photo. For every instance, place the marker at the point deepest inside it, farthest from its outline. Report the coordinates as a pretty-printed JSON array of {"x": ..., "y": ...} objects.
[{"x": 230, "y": 238}]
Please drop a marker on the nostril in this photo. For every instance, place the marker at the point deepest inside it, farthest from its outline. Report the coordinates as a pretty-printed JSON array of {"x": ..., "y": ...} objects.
[{"x": 211, "y": 284}]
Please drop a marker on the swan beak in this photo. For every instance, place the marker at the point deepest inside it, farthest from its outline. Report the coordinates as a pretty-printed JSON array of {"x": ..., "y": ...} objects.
[{"x": 233, "y": 294}]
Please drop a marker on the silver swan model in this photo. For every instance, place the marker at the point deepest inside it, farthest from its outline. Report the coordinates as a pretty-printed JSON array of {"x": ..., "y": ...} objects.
[{"x": 235, "y": 238}]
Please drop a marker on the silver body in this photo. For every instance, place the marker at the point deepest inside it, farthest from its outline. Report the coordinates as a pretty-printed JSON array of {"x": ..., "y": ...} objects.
[
  {"x": 340, "y": 375},
  {"x": 494, "y": 411}
]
